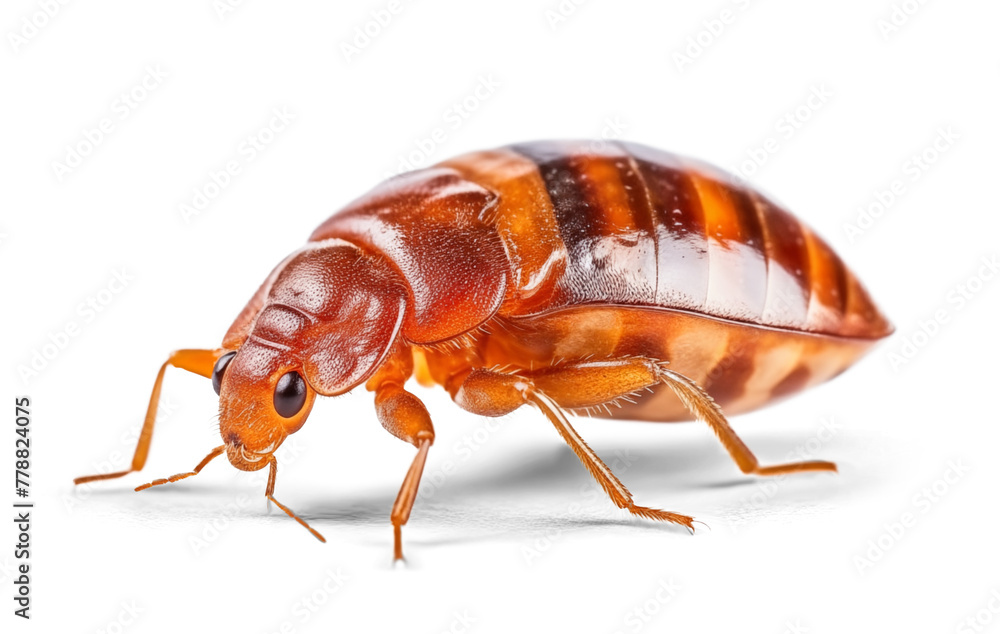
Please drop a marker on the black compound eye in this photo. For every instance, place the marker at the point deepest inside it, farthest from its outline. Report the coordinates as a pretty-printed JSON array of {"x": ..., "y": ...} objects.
[
  {"x": 290, "y": 394},
  {"x": 220, "y": 369}
]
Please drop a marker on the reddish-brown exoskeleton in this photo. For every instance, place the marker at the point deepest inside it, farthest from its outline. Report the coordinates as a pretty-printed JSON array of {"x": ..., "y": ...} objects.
[{"x": 566, "y": 275}]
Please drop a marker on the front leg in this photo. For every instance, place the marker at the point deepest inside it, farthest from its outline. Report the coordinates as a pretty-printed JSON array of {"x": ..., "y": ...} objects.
[
  {"x": 406, "y": 418},
  {"x": 197, "y": 361}
]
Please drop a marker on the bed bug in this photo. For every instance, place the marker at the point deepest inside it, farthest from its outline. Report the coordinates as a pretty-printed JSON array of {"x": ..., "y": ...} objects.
[{"x": 571, "y": 276}]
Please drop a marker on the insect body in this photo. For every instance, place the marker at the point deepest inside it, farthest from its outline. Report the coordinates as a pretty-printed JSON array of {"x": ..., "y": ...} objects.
[{"x": 551, "y": 274}]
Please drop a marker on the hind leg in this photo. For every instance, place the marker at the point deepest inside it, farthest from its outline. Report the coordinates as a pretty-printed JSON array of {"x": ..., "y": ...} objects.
[
  {"x": 590, "y": 384},
  {"x": 597, "y": 383},
  {"x": 707, "y": 410}
]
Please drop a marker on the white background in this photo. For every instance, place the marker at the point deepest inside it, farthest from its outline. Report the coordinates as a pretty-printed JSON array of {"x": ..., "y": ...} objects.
[{"x": 515, "y": 537}]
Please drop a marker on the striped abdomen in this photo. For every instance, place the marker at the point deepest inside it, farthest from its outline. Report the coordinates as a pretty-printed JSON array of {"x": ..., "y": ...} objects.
[
  {"x": 609, "y": 251},
  {"x": 625, "y": 224},
  {"x": 534, "y": 228}
]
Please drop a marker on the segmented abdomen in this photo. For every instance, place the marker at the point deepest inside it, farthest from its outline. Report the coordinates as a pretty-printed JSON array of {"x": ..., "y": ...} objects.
[{"x": 587, "y": 223}]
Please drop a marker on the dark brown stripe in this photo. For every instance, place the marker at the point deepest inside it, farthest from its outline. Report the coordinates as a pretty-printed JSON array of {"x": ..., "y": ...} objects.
[
  {"x": 746, "y": 213},
  {"x": 787, "y": 249},
  {"x": 766, "y": 245},
  {"x": 641, "y": 201},
  {"x": 577, "y": 218},
  {"x": 793, "y": 382},
  {"x": 636, "y": 193},
  {"x": 828, "y": 277},
  {"x": 788, "y": 244},
  {"x": 738, "y": 276},
  {"x": 679, "y": 222},
  {"x": 603, "y": 216},
  {"x": 727, "y": 381},
  {"x": 840, "y": 280}
]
